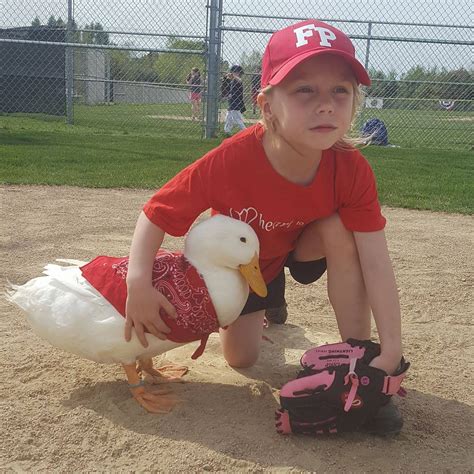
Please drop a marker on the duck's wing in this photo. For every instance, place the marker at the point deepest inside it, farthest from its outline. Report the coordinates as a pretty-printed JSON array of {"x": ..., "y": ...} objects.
[{"x": 71, "y": 278}]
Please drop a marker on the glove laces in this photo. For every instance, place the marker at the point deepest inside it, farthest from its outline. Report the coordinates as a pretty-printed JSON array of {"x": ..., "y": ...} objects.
[{"x": 353, "y": 379}]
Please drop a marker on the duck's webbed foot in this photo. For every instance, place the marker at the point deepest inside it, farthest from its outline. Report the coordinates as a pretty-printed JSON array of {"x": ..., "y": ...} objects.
[
  {"x": 164, "y": 374},
  {"x": 156, "y": 401}
]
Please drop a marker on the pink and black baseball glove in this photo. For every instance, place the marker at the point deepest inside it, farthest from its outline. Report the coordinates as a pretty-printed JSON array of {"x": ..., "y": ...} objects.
[{"x": 337, "y": 390}]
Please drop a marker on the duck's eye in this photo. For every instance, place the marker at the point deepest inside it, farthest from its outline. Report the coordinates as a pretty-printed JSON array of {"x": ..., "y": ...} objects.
[{"x": 243, "y": 239}]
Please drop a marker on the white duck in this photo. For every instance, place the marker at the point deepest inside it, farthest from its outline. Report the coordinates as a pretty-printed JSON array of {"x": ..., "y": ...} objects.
[{"x": 67, "y": 311}]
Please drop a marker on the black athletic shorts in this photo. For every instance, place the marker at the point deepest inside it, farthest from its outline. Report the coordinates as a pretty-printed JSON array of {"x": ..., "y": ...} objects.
[{"x": 302, "y": 272}]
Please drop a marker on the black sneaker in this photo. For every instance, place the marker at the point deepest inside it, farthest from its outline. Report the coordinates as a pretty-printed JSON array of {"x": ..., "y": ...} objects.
[
  {"x": 277, "y": 315},
  {"x": 387, "y": 422}
]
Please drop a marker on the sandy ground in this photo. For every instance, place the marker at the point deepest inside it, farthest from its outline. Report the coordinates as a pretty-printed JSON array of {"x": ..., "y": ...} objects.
[{"x": 63, "y": 414}]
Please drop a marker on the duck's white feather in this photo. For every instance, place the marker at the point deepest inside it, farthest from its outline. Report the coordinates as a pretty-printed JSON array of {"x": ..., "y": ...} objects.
[{"x": 228, "y": 292}]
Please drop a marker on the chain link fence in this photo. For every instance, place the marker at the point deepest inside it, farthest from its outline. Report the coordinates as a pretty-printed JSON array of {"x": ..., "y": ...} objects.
[{"x": 132, "y": 67}]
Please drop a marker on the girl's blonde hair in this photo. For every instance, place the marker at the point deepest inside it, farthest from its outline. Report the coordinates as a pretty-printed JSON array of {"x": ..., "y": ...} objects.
[{"x": 347, "y": 142}]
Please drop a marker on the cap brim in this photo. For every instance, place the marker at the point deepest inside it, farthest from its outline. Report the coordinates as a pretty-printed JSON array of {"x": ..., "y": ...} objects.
[{"x": 359, "y": 70}]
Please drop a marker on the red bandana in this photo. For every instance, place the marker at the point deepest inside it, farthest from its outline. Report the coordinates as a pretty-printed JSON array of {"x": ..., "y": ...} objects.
[{"x": 175, "y": 278}]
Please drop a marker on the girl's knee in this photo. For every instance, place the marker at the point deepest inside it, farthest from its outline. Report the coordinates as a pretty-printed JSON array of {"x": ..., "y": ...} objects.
[
  {"x": 241, "y": 361},
  {"x": 323, "y": 238},
  {"x": 241, "y": 340},
  {"x": 335, "y": 238}
]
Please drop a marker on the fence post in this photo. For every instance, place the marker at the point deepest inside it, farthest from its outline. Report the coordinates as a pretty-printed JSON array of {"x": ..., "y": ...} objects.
[
  {"x": 213, "y": 55},
  {"x": 367, "y": 49},
  {"x": 362, "y": 112},
  {"x": 69, "y": 65}
]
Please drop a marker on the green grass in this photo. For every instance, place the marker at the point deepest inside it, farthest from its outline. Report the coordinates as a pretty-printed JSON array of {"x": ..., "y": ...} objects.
[
  {"x": 34, "y": 151},
  {"x": 438, "y": 180},
  {"x": 139, "y": 119},
  {"x": 105, "y": 150}
]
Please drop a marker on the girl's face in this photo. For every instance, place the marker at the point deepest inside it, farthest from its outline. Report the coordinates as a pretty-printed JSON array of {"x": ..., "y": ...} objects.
[{"x": 312, "y": 107}]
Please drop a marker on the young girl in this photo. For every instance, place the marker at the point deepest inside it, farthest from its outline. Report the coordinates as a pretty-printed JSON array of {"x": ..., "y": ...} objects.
[
  {"x": 194, "y": 81},
  {"x": 308, "y": 193}
]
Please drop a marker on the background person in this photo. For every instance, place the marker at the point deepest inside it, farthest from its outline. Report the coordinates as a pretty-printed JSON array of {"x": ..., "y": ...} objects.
[
  {"x": 236, "y": 107},
  {"x": 195, "y": 92}
]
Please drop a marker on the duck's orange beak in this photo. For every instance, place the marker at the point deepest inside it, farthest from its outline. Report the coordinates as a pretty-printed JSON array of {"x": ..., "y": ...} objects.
[{"x": 253, "y": 275}]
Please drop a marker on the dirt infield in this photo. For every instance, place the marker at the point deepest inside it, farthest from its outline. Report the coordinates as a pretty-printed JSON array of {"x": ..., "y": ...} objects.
[{"x": 63, "y": 414}]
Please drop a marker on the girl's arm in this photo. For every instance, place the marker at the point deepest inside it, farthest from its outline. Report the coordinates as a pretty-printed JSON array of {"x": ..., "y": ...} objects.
[
  {"x": 143, "y": 300},
  {"x": 383, "y": 296}
]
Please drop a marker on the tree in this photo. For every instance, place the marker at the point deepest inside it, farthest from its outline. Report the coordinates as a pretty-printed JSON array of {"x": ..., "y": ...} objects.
[
  {"x": 251, "y": 62},
  {"x": 459, "y": 86},
  {"x": 55, "y": 23},
  {"x": 385, "y": 86},
  {"x": 120, "y": 64},
  {"x": 174, "y": 67},
  {"x": 96, "y": 36}
]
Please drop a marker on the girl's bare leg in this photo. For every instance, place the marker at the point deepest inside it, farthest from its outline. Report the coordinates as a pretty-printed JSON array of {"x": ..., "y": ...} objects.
[
  {"x": 195, "y": 109},
  {"x": 346, "y": 289},
  {"x": 241, "y": 340}
]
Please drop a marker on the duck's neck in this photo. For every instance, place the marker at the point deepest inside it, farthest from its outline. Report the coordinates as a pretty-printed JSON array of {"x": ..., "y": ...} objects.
[{"x": 227, "y": 288}]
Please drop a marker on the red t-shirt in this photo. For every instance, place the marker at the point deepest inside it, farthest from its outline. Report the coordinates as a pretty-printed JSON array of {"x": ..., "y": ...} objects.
[{"x": 236, "y": 179}]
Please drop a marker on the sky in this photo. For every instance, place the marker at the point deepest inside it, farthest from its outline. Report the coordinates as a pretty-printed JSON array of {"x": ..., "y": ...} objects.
[{"x": 188, "y": 17}]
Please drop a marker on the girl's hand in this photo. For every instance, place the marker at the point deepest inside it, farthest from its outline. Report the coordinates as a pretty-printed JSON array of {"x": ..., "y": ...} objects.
[
  {"x": 388, "y": 363},
  {"x": 143, "y": 313}
]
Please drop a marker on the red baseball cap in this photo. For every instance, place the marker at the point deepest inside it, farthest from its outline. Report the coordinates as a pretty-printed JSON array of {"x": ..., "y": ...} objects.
[{"x": 292, "y": 45}]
